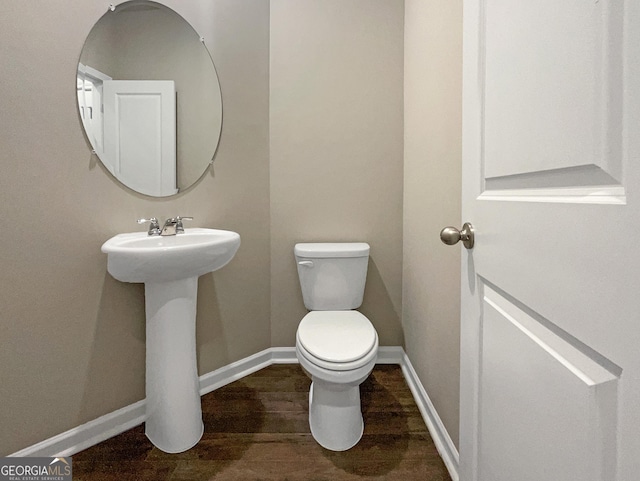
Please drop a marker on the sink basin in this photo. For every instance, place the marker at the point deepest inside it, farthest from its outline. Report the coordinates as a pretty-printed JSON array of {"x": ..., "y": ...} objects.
[
  {"x": 138, "y": 257},
  {"x": 170, "y": 266}
]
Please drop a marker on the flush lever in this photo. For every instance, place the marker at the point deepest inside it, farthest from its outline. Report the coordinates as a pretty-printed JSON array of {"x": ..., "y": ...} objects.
[{"x": 306, "y": 263}]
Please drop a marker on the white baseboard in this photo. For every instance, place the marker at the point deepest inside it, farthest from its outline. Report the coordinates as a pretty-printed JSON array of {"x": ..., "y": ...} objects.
[
  {"x": 439, "y": 434},
  {"x": 283, "y": 355},
  {"x": 390, "y": 355},
  {"x": 89, "y": 434},
  {"x": 112, "y": 424},
  {"x": 237, "y": 370}
]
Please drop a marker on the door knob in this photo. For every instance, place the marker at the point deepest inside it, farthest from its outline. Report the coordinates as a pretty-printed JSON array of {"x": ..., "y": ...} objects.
[{"x": 451, "y": 235}]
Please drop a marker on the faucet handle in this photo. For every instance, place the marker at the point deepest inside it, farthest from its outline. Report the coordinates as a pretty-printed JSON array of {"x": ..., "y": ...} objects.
[
  {"x": 154, "y": 227},
  {"x": 179, "y": 226}
]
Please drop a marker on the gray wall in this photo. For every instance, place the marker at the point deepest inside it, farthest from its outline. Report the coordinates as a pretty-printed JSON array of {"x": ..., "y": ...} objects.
[
  {"x": 336, "y": 148},
  {"x": 73, "y": 337},
  {"x": 432, "y": 179}
]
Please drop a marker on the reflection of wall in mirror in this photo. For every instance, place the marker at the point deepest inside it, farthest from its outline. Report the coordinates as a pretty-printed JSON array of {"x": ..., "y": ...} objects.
[{"x": 148, "y": 52}]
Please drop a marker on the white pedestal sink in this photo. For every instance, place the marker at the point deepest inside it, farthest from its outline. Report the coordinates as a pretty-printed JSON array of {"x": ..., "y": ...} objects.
[{"x": 170, "y": 266}]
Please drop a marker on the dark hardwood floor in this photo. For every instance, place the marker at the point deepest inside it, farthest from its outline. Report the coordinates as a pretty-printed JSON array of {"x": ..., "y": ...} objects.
[{"x": 257, "y": 429}]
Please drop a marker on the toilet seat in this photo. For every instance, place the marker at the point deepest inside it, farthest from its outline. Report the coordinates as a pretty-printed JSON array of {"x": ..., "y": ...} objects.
[{"x": 337, "y": 340}]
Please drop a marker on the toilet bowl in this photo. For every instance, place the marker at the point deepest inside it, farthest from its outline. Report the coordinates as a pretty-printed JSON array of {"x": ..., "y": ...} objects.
[
  {"x": 336, "y": 346},
  {"x": 335, "y": 415}
]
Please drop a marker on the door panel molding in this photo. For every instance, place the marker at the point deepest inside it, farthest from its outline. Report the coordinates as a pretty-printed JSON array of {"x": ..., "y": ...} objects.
[
  {"x": 588, "y": 365},
  {"x": 540, "y": 386},
  {"x": 529, "y": 97}
]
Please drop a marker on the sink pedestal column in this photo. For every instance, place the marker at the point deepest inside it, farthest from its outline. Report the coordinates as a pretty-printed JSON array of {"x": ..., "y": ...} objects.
[{"x": 174, "y": 414}]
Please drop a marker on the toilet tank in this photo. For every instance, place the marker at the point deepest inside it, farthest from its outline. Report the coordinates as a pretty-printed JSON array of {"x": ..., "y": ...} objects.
[{"x": 332, "y": 275}]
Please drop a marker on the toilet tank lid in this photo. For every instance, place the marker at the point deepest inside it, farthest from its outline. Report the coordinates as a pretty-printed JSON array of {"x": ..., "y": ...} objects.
[{"x": 332, "y": 249}]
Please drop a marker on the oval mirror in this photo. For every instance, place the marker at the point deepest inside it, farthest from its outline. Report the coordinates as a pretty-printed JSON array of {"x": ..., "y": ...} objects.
[{"x": 149, "y": 98}]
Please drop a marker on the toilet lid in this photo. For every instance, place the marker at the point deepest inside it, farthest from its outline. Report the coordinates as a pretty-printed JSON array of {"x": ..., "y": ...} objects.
[{"x": 337, "y": 336}]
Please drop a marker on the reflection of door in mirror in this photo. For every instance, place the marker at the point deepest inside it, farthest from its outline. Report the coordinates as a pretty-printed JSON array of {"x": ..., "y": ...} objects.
[
  {"x": 89, "y": 86},
  {"x": 140, "y": 134}
]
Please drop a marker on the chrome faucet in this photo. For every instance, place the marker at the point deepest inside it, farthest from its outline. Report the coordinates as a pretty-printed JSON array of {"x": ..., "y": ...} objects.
[
  {"x": 154, "y": 227},
  {"x": 173, "y": 226}
]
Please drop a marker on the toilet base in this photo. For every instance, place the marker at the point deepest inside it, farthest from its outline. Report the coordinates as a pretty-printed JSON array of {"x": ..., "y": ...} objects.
[{"x": 335, "y": 415}]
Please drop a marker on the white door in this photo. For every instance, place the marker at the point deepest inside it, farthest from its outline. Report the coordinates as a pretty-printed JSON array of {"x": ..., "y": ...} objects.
[
  {"x": 140, "y": 134},
  {"x": 550, "y": 368}
]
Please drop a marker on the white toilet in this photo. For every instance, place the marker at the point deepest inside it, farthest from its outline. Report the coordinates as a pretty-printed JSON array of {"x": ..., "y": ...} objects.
[{"x": 336, "y": 345}]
